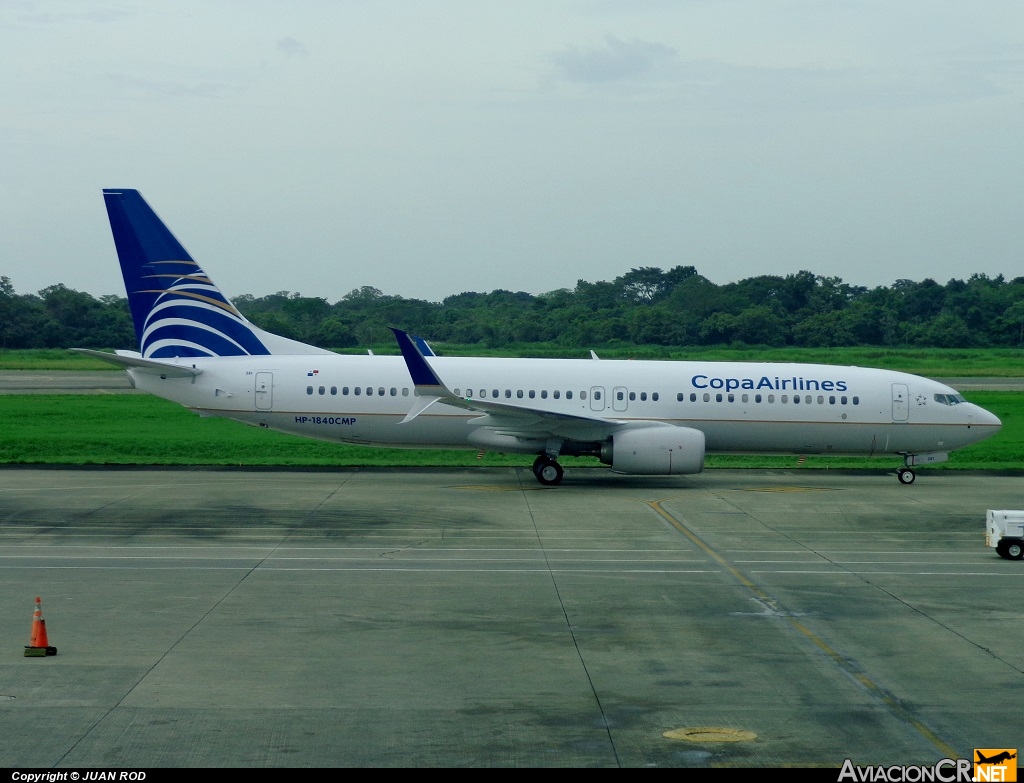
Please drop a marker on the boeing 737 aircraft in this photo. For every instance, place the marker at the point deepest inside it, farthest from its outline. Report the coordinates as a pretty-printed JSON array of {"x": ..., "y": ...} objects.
[{"x": 639, "y": 417}]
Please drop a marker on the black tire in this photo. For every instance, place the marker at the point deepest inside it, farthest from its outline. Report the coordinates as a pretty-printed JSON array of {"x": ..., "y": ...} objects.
[
  {"x": 548, "y": 472},
  {"x": 1001, "y": 549},
  {"x": 906, "y": 476},
  {"x": 1015, "y": 550}
]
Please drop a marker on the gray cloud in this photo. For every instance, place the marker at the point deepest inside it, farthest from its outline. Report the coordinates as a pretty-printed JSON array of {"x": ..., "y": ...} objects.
[
  {"x": 172, "y": 88},
  {"x": 616, "y": 60},
  {"x": 291, "y": 48}
]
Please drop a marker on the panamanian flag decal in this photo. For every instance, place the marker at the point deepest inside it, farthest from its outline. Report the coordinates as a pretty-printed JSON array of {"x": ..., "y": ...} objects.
[{"x": 311, "y": 373}]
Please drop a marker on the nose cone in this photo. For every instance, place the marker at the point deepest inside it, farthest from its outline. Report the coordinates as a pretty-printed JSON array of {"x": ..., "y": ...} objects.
[{"x": 985, "y": 419}]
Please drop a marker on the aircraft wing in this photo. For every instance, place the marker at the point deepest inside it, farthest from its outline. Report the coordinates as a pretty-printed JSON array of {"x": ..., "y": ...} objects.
[
  {"x": 505, "y": 418},
  {"x": 133, "y": 361}
]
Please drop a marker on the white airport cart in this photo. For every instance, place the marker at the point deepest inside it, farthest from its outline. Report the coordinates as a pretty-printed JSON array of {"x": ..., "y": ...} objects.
[{"x": 1004, "y": 530}]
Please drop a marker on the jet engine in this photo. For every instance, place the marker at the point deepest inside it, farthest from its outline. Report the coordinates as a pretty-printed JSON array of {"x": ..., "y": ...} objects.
[{"x": 655, "y": 451}]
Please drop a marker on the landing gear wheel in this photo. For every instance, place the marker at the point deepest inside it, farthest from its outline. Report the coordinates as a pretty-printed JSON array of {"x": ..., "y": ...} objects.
[
  {"x": 547, "y": 471},
  {"x": 906, "y": 476}
]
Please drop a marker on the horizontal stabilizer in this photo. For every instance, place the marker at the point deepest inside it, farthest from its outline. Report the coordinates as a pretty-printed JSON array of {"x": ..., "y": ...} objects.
[{"x": 136, "y": 362}]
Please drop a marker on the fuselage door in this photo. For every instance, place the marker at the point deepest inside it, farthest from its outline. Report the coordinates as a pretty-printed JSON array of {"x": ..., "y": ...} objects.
[
  {"x": 264, "y": 391},
  {"x": 620, "y": 398},
  {"x": 597, "y": 398},
  {"x": 900, "y": 402}
]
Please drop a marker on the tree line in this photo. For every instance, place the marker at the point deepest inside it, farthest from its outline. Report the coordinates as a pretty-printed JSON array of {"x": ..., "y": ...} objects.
[{"x": 645, "y": 306}]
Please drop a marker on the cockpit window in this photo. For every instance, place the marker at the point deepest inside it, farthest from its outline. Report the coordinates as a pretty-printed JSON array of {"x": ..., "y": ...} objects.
[{"x": 949, "y": 399}]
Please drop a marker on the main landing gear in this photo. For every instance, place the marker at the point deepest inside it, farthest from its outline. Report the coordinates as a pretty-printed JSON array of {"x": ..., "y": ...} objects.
[{"x": 547, "y": 470}]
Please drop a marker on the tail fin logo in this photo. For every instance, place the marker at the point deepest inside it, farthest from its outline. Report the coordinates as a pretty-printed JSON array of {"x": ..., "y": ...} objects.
[
  {"x": 189, "y": 316},
  {"x": 176, "y": 308}
]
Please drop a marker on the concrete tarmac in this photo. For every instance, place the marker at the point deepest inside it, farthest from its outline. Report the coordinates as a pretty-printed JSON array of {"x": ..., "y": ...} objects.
[{"x": 471, "y": 618}]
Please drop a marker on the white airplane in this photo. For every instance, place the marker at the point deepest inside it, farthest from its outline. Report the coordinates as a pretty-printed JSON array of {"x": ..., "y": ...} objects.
[{"x": 639, "y": 417}]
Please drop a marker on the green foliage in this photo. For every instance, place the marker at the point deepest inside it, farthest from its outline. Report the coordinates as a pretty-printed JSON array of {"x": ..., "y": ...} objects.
[{"x": 644, "y": 307}]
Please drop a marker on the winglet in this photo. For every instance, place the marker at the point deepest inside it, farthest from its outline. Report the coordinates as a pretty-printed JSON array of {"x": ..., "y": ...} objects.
[
  {"x": 428, "y": 386},
  {"x": 424, "y": 347},
  {"x": 423, "y": 377}
]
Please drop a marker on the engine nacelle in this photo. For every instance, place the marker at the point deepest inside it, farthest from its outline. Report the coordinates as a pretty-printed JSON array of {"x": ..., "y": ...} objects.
[{"x": 656, "y": 451}]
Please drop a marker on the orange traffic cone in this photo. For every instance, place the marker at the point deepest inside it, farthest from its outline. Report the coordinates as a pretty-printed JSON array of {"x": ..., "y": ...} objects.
[{"x": 38, "y": 643}]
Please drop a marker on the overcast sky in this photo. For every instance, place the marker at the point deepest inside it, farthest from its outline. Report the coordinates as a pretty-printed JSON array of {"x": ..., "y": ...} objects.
[{"x": 429, "y": 148}]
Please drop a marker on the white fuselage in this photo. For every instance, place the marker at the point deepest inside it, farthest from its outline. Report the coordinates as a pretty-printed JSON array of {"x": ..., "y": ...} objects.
[{"x": 740, "y": 407}]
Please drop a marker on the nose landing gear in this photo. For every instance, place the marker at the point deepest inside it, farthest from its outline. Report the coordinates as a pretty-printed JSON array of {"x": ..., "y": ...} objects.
[{"x": 906, "y": 475}]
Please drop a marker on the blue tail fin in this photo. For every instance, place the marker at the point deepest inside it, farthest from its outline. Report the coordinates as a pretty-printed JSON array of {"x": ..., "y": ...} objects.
[{"x": 176, "y": 308}]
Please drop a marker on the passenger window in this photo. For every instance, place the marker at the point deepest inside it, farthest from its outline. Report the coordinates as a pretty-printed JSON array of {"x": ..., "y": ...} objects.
[
  {"x": 718, "y": 397},
  {"x": 745, "y": 398},
  {"x": 654, "y": 396},
  {"x": 784, "y": 398},
  {"x": 494, "y": 393},
  {"x": 309, "y": 390},
  {"x": 732, "y": 397},
  {"x": 757, "y": 398},
  {"x": 771, "y": 398},
  {"x": 632, "y": 396},
  {"x": 679, "y": 397},
  {"x": 380, "y": 391},
  {"x": 831, "y": 399},
  {"x": 394, "y": 392},
  {"x": 583, "y": 395},
  {"x": 321, "y": 390},
  {"x": 358, "y": 390},
  {"x": 821, "y": 399},
  {"x": 369, "y": 391},
  {"x": 643, "y": 396},
  {"x": 543, "y": 394},
  {"x": 532, "y": 394},
  {"x": 519, "y": 394},
  {"x": 508, "y": 394},
  {"x": 568, "y": 395},
  {"x": 620, "y": 396},
  {"x": 707, "y": 397},
  {"x": 556, "y": 394},
  {"x": 344, "y": 390},
  {"x": 796, "y": 399},
  {"x": 469, "y": 393},
  {"x": 856, "y": 400},
  {"x": 405, "y": 391},
  {"x": 334, "y": 390},
  {"x": 842, "y": 400},
  {"x": 693, "y": 396}
]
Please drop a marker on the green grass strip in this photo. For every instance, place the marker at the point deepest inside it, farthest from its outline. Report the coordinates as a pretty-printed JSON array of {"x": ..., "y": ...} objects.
[{"x": 128, "y": 429}]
